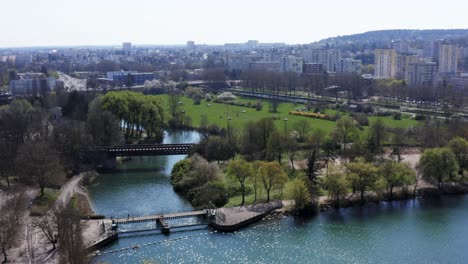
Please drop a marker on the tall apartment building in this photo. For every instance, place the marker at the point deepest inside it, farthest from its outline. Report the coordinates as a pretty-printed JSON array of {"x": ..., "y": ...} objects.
[
  {"x": 190, "y": 45},
  {"x": 349, "y": 66},
  {"x": 127, "y": 48},
  {"x": 385, "y": 63},
  {"x": 448, "y": 59},
  {"x": 329, "y": 58},
  {"x": 291, "y": 64},
  {"x": 421, "y": 73},
  {"x": 403, "y": 60},
  {"x": 34, "y": 86}
]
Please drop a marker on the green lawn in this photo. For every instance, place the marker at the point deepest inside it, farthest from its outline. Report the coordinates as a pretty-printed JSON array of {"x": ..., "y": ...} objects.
[{"x": 218, "y": 114}]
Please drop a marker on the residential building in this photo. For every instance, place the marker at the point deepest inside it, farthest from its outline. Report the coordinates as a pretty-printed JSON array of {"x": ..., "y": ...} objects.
[
  {"x": 312, "y": 68},
  {"x": 34, "y": 86},
  {"x": 448, "y": 59},
  {"x": 421, "y": 73},
  {"x": 349, "y": 66},
  {"x": 291, "y": 64},
  {"x": 327, "y": 57},
  {"x": 385, "y": 63},
  {"x": 252, "y": 44},
  {"x": 190, "y": 45},
  {"x": 403, "y": 60},
  {"x": 127, "y": 48},
  {"x": 122, "y": 77}
]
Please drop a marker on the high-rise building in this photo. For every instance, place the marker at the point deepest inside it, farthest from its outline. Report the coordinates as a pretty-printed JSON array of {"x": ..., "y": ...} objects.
[
  {"x": 448, "y": 59},
  {"x": 252, "y": 44},
  {"x": 385, "y": 63},
  {"x": 190, "y": 45},
  {"x": 127, "y": 48},
  {"x": 420, "y": 73},
  {"x": 327, "y": 57},
  {"x": 349, "y": 66},
  {"x": 291, "y": 64},
  {"x": 403, "y": 60}
]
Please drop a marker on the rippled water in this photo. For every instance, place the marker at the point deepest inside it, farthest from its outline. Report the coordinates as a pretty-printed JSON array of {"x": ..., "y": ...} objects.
[{"x": 423, "y": 231}]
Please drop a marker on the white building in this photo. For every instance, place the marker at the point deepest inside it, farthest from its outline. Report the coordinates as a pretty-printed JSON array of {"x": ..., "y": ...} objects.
[
  {"x": 329, "y": 58},
  {"x": 385, "y": 63},
  {"x": 127, "y": 48}
]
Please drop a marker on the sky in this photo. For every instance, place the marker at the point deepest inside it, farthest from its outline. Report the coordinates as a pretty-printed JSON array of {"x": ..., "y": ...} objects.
[{"x": 26, "y": 23}]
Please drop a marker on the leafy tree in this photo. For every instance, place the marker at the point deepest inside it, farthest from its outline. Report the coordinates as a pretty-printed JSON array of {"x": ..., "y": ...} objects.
[
  {"x": 291, "y": 146},
  {"x": 459, "y": 147},
  {"x": 438, "y": 165},
  {"x": 362, "y": 175},
  {"x": 345, "y": 127},
  {"x": 218, "y": 148},
  {"x": 275, "y": 146},
  {"x": 240, "y": 170},
  {"x": 378, "y": 134},
  {"x": 398, "y": 141},
  {"x": 336, "y": 184},
  {"x": 302, "y": 126},
  {"x": 272, "y": 176},
  {"x": 396, "y": 175},
  {"x": 298, "y": 191}
]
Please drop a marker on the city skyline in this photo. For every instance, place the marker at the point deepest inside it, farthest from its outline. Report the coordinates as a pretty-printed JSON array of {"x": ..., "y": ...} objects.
[{"x": 143, "y": 22}]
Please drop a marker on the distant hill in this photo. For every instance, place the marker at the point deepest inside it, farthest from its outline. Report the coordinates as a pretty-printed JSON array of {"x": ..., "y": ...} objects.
[{"x": 382, "y": 37}]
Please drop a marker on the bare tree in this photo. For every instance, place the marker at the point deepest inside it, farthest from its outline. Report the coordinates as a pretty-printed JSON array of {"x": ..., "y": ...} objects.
[
  {"x": 39, "y": 164},
  {"x": 48, "y": 225},
  {"x": 72, "y": 249},
  {"x": 8, "y": 227}
]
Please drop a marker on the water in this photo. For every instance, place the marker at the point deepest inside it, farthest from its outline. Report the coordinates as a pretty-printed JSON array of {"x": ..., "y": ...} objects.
[
  {"x": 422, "y": 231},
  {"x": 142, "y": 186}
]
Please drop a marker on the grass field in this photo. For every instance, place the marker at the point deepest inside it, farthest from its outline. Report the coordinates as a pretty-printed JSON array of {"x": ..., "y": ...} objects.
[{"x": 218, "y": 114}]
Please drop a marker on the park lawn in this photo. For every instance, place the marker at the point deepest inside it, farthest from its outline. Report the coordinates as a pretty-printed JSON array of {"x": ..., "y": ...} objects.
[
  {"x": 218, "y": 114},
  {"x": 43, "y": 204}
]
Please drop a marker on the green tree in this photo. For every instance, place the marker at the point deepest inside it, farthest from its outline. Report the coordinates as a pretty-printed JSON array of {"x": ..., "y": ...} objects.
[
  {"x": 297, "y": 190},
  {"x": 275, "y": 146},
  {"x": 396, "y": 175},
  {"x": 378, "y": 134},
  {"x": 302, "y": 126},
  {"x": 459, "y": 147},
  {"x": 240, "y": 170},
  {"x": 345, "y": 127},
  {"x": 438, "y": 165},
  {"x": 272, "y": 176},
  {"x": 336, "y": 184},
  {"x": 362, "y": 175}
]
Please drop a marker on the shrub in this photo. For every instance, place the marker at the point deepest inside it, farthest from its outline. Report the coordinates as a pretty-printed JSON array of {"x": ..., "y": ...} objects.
[
  {"x": 308, "y": 114},
  {"x": 226, "y": 96},
  {"x": 397, "y": 116},
  {"x": 420, "y": 117},
  {"x": 360, "y": 118},
  {"x": 258, "y": 105}
]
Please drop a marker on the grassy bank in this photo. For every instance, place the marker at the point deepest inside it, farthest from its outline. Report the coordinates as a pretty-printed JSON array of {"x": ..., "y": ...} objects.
[{"x": 43, "y": 204}]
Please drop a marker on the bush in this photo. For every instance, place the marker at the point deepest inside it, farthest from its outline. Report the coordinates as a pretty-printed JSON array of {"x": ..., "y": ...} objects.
[
  {"x": 420, "y": 117},
  {"x": 258, "y": 105},
  {"x": 226, "y": 96},
  {"x": 397, "y": 116},
  {"x": 213, "y": 192},
  {"x": 308, "y": 114},
  {"x": 360, "y": 118}
]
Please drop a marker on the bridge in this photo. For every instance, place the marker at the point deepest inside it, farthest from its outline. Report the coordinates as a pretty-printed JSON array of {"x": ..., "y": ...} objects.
[{"x": 106, "y": 155}]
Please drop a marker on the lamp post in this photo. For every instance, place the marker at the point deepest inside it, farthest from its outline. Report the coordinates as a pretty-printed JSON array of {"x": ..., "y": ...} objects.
[{"x": 285, "y": 125}]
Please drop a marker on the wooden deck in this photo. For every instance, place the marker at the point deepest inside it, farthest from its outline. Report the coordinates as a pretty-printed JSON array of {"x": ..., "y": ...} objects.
[{"x": 151, "y": 218}]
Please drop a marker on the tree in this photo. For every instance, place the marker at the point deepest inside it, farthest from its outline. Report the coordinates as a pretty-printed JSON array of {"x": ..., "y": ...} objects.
[
  {"x": 345, "y": 126},
  {"x": 48, "y": 225},
  {"x": 38, "y": 163},
  {"x": 240, "y": 170},
  {"x": 378, "y": 133},
  {"x": 398, "y": 140},
  {"x": 335, "y": 183},
  {"x": 302, "y": 126},
  {"x": 255, "y": 178},
  {"x": 438, "y": 165},
  {"x": 275, "y": 146},
  {"x": 272, "y": 176},
  {"x": 362, "y": 175},
  {"x": 218, "y": 148},
  {"x": 291, "y": 150},
  {"x": 298, "y": 191},
  {"x": 104, "y": 128},
  {"x": 396, "y": 175},
  {"x": 8, "y": 226},
  {"x": 459, "y": 147},
  {"x": 72, "y": 249}
]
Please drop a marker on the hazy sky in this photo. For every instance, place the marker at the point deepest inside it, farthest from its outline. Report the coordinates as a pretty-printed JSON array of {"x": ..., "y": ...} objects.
[{"x": 111, "y": 22}]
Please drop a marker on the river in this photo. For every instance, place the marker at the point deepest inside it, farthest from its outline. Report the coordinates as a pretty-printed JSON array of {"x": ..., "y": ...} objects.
[{"x": 422, "y": 231}]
